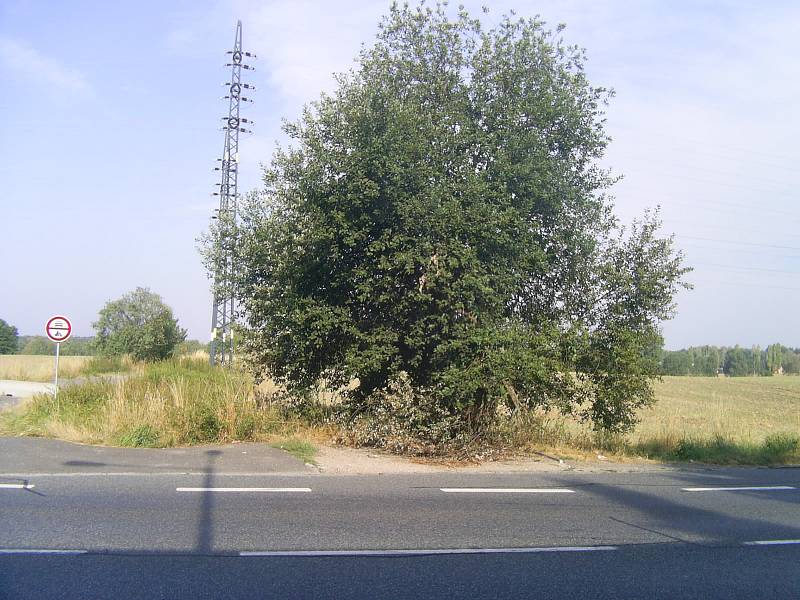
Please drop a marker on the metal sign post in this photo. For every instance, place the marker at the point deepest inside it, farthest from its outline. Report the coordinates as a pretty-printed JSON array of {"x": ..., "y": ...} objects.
[
  {"x": 58, "y": 329},
  {"x": 55, "y": 380}
]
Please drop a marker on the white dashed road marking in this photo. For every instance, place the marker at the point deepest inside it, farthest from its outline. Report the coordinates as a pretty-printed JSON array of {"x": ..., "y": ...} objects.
[
  {"x": 247, "y": 489},
  {"x": 771, "y": 542},
  {"x": 39, "y": 551},
  {"x": 758, "y": 488},
  {"x": 507, "y": 491},
  {"x": 426, "y": 552}
]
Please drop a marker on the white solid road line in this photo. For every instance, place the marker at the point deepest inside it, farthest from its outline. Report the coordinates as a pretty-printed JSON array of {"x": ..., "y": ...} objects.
[
  {"x": 739, "y": 489},
  {"x": 240, "y": 489},
  {"x": 16, "y": 486},
  {"x": 39, "y": 551},
  {"x": 771, "y": 543},
  {"x": 423, "y": 552},
  {"x": 507, "y": 491}
]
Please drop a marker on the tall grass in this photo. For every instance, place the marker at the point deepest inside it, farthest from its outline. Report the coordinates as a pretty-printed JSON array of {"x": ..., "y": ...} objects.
[{"x": 172, "y": 403}]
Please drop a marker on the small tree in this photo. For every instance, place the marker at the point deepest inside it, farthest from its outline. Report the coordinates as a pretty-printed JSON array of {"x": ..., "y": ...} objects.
[
  {"x": 139, "y": 324},
  {"x": 8, "y": 338},
  {"x": 37, "y": 345}
]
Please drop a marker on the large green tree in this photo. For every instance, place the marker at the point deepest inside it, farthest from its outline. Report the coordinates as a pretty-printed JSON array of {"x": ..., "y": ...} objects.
[
  {"x": 738, "y": 362},
  {"x": 8, "y": 338},
  {"x": 774, "y": 358},
  {"x": 138, "y": 324},
  {"x": 442, "y": 219}
]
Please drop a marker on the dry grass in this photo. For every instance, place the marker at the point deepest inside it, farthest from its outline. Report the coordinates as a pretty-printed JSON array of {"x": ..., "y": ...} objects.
[
  {"x": 173, "y": 403},
  {"x": 184, "y": 401},
  {"x": 742, "y": 408},
  {"x": 23, "y": 367},
  {"x": 739, "y": 420}
]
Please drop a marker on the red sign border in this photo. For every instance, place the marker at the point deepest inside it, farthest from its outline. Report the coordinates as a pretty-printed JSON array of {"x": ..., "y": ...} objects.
[{"x": 69, "y": 330}]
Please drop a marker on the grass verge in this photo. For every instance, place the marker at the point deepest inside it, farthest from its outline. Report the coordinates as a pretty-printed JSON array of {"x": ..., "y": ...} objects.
[
  {"x": 738, "y": 421},
  {"x": 301, "y": 449},
  {"x": 179, "y": 402}
]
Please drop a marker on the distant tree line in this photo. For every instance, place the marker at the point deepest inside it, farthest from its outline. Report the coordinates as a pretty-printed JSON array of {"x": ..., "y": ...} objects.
[
  {"x": 39, "y": 344},
  {"x": 732, "y": 361},
  {"x": 85, "y": 346}
]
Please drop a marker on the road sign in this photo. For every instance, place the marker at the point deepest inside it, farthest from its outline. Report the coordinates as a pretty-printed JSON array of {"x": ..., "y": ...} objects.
[{"x": 58, "y": 329}]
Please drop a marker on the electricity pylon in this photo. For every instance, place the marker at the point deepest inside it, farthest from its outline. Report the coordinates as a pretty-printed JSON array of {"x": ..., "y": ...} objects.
[{"x": 222, "y": 314}]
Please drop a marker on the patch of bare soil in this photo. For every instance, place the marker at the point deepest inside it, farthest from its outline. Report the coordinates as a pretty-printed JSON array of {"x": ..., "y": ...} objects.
[{"x": 359, "y": 461}]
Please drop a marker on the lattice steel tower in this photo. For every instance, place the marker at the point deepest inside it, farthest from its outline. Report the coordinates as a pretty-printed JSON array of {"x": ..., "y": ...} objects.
[{"x": 222, "y": 315}]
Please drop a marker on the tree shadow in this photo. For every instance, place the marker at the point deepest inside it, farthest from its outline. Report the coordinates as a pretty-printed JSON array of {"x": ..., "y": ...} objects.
[
  {"x": 205, "y": 524},
  {"x": 678, "y": 519}
]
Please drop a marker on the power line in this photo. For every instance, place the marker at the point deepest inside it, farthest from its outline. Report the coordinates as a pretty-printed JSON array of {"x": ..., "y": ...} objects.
[
  {"x": 752, "y": 285},
  {"x": 744, "y": 268},
  {"x": 737, "y": 242},
  {"x": 695, "y": 143},
  {"x": 705, "y": 169}
]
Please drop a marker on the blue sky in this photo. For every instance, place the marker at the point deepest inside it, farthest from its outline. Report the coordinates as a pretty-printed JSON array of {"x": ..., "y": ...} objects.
[{"x": 110, "y": 131}]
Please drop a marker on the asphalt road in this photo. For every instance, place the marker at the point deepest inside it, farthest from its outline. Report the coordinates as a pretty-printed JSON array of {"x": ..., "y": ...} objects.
[{"x": 248, "y": 521}]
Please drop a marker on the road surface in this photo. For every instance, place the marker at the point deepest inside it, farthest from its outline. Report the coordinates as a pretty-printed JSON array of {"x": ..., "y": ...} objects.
[{"x": 248, "y": 521}]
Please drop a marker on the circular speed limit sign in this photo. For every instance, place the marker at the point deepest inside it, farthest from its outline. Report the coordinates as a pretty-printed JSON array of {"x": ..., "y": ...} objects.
[{"x": 58, "y": 329}]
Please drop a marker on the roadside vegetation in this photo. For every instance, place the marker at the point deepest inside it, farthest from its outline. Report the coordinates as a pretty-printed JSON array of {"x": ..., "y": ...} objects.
[
  {"x": 179, "y": 402},
  {"x": 176, "y": 402}
]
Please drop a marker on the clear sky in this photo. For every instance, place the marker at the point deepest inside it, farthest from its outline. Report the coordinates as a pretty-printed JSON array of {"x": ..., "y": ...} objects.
[{"x": 110, "y": 117}]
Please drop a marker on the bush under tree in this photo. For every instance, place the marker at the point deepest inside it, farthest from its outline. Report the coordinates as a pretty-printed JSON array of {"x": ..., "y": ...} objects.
[
  {"x": 139, "y": 324},
  {"x": 440, "y": 233}
]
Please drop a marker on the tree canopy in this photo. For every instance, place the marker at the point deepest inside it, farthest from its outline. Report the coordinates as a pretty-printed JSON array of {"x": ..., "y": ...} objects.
[
  {"x": 8, "y": 338},
  {"x": 139, "y": 324},
  {"x": 441, "y": 223}
]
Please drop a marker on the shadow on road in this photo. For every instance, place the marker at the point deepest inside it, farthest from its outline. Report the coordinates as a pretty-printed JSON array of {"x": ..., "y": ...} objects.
[
  {"x": 682, "y": 520},
  {"x": 205, "y": 523}
]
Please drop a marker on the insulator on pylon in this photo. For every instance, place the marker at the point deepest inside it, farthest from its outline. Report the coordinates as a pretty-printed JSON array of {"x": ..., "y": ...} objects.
[{"x": 242, "y": 52}]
